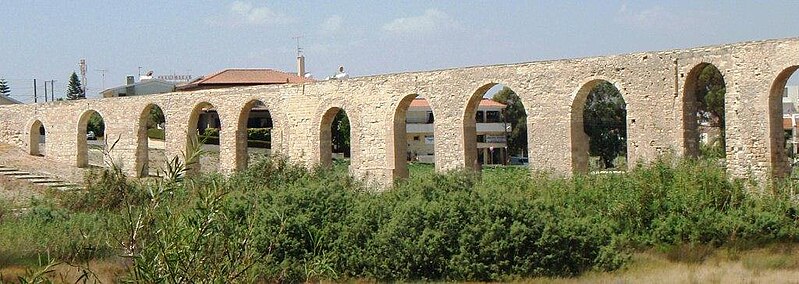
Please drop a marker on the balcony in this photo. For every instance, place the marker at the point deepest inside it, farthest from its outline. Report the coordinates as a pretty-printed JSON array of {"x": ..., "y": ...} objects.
[
  {"x": 419, "y": 128},
  {"x": 491, "y": 127},
  {"x": 481, "y": 128}
]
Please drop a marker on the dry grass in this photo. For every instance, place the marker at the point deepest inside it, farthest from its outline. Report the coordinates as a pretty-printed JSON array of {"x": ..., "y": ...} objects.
[
  {"x": 18, "y": 193},
  {"x": 101, "y": 271},
  {"x": 773, "y": 264}
]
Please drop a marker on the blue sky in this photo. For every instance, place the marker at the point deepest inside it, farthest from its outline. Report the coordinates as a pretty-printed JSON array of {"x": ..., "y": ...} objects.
[{"x": 46, "y": 39}]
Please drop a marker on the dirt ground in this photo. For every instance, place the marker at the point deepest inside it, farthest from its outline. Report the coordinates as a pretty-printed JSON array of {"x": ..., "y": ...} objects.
[{"x": 12, "y": 156}]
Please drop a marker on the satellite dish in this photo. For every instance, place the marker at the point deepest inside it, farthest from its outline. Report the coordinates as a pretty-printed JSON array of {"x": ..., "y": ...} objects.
[{"x": 149, "y": 73}]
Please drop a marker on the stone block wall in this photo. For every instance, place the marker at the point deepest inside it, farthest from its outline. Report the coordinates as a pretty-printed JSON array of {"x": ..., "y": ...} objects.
[{"x": 653, "y": 85}]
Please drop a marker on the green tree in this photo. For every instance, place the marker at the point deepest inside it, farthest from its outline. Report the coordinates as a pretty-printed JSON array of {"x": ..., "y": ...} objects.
[
  {"x": 96, "y": 125},
  {"x": 710, "y": 91},
  {"x": 74, "y": 89},
  {"x": 340, "y": 130},
  {"x": 605, "y": 123},
  {"x": 156, "y": 117},
  {"x": 515, "y": 115},
  {"x": 5, "y": 90}
]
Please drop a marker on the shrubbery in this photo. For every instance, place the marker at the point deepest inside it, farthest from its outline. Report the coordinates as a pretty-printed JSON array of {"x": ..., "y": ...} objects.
[
  {"x": 155, "y": 133},
  {"x": 256, "y": 137},
  {"x": 280, "y": 222}
]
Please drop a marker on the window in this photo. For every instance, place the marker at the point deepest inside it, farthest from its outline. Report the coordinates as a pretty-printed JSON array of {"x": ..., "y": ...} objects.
[
  {"x": 415, "y": 138},
  {"x": 492, "y": 117},
  {"x": 480, "y": 117},
  {"x": 785, "y": 93},
  {"x": 481, "y": 138},
  {"x": 430, "y": 118}
]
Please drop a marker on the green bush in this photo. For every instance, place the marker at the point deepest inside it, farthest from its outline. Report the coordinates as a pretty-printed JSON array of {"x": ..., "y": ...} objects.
[
  {"x": 280, "y": 222},
  {"x": 211, "y": 132},
  {"x": 155, "y": 133},
  {"x": 260, "y": 134},
  {"x": 109, "y": 189}
]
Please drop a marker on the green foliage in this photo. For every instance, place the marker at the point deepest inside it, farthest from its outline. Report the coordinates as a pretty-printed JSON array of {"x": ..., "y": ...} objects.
[
  {"x": 96, "y": 124},
  {"x": 5, "y": 90},
  {"x": 211, "y": 239},
  {"x": 105, "y": 190},
  {"x": 259, "y": 134},
  {"x": 713, "y": 149},
  {"x": 279, "y": 222},
  {"x": 155, "y": 133},
  {"x": 515, "y": 115},
  {"x": 340, "y": 131},
  {"x": 74, "y": 89},
  {"x": 155, "y": 118},
  {"x": 605, "y": 123},
  {"x": 710, "y": 91}
]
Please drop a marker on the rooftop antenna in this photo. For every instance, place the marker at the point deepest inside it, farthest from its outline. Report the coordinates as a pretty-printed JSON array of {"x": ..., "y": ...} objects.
[
  {"x": 85, "y": 85},
  {"x": 299, "y": 49},
  {"x": 300, "y": 58}
]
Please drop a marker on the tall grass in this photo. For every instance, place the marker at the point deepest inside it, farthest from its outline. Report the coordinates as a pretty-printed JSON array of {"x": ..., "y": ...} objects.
[{"x": 281, "y": 222}]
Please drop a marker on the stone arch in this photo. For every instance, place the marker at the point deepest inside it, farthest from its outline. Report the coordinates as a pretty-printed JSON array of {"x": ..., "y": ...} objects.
[
  {"x": 689, "y": 108},
  {"x": 326, "y": 136},
  {"x": 35, "y": 133},
  {"x": 143, "y": 158},
  {"x": 470, "y": 124},
  {"x": 397, "y": 144},
  {"x": 193, "y": 135},
  {"x": 780, "y": 165},
  {"x": 82, "y": 157},
  {"x": 580, "y": 144},
  {"x": 241, "y": 147}
]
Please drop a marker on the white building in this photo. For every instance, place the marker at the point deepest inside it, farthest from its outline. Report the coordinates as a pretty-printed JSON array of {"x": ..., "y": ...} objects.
[
  {"x": 145, "y": 86},
  {"x": 790, "y": 118},
  {"x": 491, "y": 132}
]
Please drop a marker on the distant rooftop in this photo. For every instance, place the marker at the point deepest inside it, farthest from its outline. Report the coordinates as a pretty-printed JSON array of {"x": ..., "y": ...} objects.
[{"x": 242, "y": 77}]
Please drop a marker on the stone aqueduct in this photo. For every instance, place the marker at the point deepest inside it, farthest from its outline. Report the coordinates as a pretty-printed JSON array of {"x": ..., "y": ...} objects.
[{"x": 660, "y": 113}]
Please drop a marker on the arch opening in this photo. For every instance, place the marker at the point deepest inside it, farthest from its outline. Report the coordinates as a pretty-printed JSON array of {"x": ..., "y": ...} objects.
[
  {"x": 203, "y": 138},
  {"x": 783, "y": 111},
  {"x": 37, "y": 140},
  {"x": 599, "y": 128},
  {"x": 254, "y": 139},
  {"x": 704, "y": 108},
  {"x": 413, "y": 139},
  {"x": 91, "y": 140},
  {"x": 151, "y": 156},
  {"x": 495, "y": 128},
  {"x": 334, "y": 138}
]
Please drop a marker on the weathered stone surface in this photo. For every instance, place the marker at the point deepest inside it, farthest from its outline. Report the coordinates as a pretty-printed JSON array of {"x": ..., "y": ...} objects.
[{"x": 652, "y": 83}]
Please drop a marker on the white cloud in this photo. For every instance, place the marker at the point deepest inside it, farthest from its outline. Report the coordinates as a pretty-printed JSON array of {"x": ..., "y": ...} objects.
[
  {"x": 243, "y": 13},
  {"x": 431, "y": 21},
  {"x": 332, "y": 25}
]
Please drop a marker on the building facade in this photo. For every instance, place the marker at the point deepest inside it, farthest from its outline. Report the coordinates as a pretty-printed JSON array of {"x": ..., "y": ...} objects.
[
  {"x": 145, "y": 86},
  {"x": 492, "y": 132}
]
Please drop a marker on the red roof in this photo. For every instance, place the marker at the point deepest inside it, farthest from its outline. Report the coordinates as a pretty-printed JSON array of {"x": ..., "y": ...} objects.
[
  {"x": 422, "y": 102},
  {"x": 243, "y": 77}
]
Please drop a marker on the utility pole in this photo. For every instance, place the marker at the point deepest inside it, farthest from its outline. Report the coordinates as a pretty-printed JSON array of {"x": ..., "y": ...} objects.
[
  {"x": 52, "y": 91},
  {"x": 34, "y": 92},
  {"x": 85, "y": 84},
  {"x": 45, "y": 91}
]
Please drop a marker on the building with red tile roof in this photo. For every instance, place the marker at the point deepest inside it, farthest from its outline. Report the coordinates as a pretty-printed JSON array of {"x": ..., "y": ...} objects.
[{"x": 237, "y": 77}]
